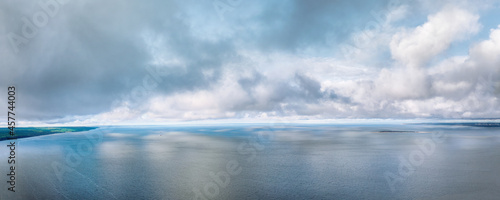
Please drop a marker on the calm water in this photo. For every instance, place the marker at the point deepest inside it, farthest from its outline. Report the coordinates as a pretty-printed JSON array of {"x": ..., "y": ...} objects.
[{"x": 259, "y": 162}]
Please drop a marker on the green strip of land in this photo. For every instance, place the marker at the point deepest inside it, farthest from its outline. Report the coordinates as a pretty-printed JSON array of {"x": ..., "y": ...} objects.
[{"x": 23, "y": 132}]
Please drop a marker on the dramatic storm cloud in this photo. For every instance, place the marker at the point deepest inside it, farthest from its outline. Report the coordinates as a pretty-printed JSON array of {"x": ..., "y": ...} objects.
[{"x": 95, "y": 62}]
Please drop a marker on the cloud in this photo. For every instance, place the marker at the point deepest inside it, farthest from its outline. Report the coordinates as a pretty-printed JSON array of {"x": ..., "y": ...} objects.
[
  {"x": 476, "y": 73},
  {"x": 402, "y": 83},
  {"x": 80, "y": 63},
  {"x": 415, "y": 48},
  {"x": 486, "y": 53},
  {"x": 237, "y": 96},
  {"x": 262, "y": 59},
  {"x": 457, "y": 87}
]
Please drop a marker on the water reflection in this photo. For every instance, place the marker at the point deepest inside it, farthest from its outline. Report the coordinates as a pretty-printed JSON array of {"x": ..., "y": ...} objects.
[{"x": 295, "y": 162}]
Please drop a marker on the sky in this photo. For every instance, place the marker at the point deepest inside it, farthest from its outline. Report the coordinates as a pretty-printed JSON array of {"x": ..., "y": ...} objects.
[{"x": 79, "y": 62}]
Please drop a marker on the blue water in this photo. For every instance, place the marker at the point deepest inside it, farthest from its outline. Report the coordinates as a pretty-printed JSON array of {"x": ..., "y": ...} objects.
[{"x": 266, "y": 162}]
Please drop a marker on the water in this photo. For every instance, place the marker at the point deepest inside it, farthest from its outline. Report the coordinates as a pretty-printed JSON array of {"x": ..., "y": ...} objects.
[{"x": 259, "y": 162}]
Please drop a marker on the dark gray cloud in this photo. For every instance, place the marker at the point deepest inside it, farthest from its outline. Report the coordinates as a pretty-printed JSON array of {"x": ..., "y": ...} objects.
[
  {"x": 293, "y": 26},
  {"x": 92, "y": 53}
]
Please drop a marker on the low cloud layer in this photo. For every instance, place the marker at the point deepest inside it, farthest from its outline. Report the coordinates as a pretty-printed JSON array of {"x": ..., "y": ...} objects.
[{"x": 92, "y": 62}]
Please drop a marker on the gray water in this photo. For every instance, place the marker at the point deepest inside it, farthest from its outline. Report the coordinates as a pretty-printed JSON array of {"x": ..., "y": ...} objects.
[{"x": 278, "y": 162}]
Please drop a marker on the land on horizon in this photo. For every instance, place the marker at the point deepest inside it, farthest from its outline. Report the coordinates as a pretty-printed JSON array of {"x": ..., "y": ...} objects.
[{"x": 24, "y": 132}]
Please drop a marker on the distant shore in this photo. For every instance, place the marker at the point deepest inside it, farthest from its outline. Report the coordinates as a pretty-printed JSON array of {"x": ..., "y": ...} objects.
[{"x": 24, "y": 132}]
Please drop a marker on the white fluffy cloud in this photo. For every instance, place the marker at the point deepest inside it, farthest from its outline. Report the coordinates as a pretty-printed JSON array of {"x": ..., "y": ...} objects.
[
  {"x": 457, "y": 87},
  {"x": 487, "y": 53},
  {"x": 412, "y": 49},
  {"x": 416, "y": 47}
]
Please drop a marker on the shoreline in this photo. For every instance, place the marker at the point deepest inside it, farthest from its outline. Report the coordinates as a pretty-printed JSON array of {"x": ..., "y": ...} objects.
[{"x": 25, "y": 132}]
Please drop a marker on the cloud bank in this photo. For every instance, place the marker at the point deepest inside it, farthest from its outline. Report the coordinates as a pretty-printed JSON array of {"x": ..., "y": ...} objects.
[{"x": 92, "y": 62}]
